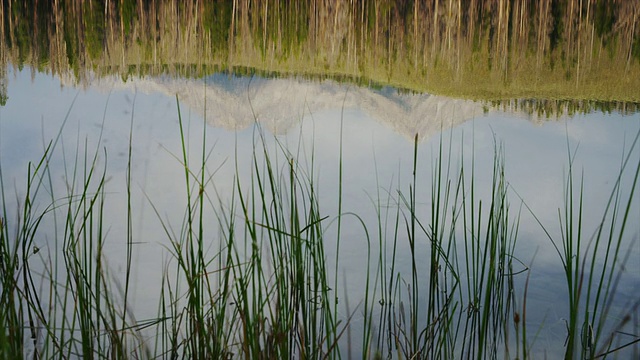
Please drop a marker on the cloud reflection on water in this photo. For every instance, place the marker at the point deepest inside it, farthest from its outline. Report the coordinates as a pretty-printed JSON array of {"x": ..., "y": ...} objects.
[{"x": 376, "y": 161}]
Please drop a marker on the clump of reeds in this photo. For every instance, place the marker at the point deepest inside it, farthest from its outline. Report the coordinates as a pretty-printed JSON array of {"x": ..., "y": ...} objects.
[
  {"x": 59, "y": 301},
  {"x": 594, "y": 264},
  {"x": 462, "y": 297},
  {"x": 264, "y": 293},
  {"x": 248, "y": 277},
  {"x": 458, "y": 299}
]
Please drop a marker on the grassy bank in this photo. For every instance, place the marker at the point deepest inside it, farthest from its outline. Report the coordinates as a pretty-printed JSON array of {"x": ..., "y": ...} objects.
[{"x": 249, "y": 277}]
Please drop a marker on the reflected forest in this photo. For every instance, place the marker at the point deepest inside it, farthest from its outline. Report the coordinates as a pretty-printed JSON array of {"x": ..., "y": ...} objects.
[{"x": 493, "y": 50}]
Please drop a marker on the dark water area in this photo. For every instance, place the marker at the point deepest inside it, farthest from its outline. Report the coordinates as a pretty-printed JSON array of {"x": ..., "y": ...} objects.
[{"x": 320, "y": 179}]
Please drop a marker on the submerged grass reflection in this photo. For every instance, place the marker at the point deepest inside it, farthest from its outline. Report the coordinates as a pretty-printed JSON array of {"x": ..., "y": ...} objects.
[{"x": 266, "y": 287}]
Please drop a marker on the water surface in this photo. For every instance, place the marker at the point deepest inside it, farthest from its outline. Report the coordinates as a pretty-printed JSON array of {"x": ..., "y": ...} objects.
[{"x": 346, "y": 99}]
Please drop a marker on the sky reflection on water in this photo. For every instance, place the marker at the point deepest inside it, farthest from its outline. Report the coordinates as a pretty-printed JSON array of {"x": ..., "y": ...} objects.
[{"x": 376, "y": 156}]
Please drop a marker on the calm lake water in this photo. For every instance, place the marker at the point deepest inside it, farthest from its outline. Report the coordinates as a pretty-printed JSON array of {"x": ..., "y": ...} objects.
[{"x": 345, "y": 88}]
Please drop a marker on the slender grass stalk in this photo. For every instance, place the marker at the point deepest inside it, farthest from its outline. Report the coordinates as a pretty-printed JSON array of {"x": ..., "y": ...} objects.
[{"x": 129, "y": 241}]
